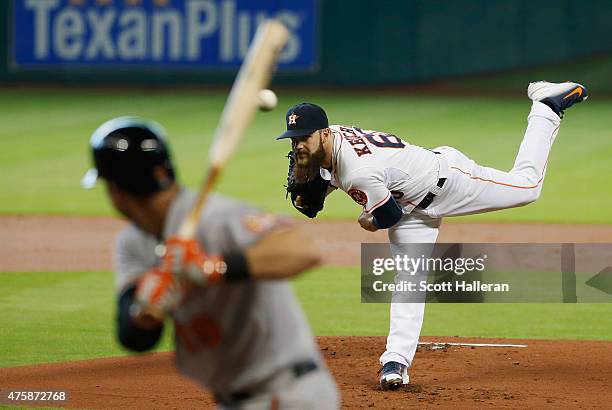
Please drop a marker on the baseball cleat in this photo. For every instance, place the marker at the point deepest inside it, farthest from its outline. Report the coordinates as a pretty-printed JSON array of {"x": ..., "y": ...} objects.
[
  {"x": 557, "y": 96},
  {"x": 393, "y": 375}
]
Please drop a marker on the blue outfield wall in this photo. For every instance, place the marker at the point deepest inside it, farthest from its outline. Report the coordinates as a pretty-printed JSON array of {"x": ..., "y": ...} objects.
[{"x": 332, "y": 42}]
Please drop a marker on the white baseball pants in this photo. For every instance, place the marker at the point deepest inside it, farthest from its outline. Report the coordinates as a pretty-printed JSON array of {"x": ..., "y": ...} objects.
[{"x": 469, "y": 189}]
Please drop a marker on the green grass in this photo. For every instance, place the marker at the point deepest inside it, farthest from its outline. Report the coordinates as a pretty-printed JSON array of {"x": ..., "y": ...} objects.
[
  {"x": 338, "y": 311},
  {"x": 50, "y": 317},
  {"x": 593, "y": 72},
  {"x": 44, "y": 152}
]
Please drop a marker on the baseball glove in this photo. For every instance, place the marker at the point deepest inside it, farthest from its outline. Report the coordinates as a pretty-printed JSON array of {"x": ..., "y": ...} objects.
[{"x": 309, "y": 197}]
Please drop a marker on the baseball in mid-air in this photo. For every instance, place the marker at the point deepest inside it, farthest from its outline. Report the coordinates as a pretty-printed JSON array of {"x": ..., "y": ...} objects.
[{"x": 267, "y": 100}]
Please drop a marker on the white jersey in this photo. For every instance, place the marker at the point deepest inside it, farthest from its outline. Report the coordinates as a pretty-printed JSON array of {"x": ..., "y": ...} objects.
[{"x": 371, "y": 166}]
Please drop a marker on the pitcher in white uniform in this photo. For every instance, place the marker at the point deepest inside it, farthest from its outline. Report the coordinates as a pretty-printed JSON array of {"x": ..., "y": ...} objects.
[{"x": 408, "y": 189}]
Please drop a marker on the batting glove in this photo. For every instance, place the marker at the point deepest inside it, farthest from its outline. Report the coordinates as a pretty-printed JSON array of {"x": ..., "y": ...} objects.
[
  {"x": 185, "y": 259},
  {"x": 157, "y": 295}
]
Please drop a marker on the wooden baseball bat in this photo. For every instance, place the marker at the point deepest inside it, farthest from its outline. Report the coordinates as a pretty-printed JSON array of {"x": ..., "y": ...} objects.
[{"x": 242, "y": 102}]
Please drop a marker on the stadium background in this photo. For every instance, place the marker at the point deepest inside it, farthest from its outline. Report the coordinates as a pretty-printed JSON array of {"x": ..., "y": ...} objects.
[{"x": 434, "y": 72}]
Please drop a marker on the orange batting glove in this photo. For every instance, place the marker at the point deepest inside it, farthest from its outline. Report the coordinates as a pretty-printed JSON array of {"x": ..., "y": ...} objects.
[
  {"x": 186, "y": 259},
  {"x": 158, "y": 294}
]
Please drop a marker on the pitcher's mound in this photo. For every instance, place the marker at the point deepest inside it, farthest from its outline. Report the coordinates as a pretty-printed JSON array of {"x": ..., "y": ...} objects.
[{"x": 543, "y": 374}]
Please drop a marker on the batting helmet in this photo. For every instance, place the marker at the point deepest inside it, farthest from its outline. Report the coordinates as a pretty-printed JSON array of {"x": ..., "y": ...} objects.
[{"x": 126, "y": 151}]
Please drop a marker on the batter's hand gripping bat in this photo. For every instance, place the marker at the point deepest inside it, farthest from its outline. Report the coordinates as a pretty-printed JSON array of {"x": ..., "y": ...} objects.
[{"x": 242, "y": 102}]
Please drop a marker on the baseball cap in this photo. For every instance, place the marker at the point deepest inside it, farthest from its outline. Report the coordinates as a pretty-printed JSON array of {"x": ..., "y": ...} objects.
[{"x": 304, "y": 119}]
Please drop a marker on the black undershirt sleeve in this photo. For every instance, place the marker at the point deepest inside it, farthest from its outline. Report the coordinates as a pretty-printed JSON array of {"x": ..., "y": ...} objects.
[
  {"x": 131, "y": 336},
  {"x": 388, "y": 214}
]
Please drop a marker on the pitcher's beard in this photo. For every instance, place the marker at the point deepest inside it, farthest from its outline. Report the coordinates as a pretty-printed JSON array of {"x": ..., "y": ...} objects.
[{"x": 304, "y": 173}]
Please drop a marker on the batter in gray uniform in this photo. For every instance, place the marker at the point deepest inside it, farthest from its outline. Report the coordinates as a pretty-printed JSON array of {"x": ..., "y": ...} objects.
[{"x": 239, "y": 330}]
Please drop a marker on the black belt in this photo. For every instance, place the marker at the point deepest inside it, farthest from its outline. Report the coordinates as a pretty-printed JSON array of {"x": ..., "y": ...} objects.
[
  {"x": 298, "y": 370},
  {"x": 425, "y": 202}
]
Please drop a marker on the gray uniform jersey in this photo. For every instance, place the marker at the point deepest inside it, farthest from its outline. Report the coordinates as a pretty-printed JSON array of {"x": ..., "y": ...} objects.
[{"x": 228, "y": 336}]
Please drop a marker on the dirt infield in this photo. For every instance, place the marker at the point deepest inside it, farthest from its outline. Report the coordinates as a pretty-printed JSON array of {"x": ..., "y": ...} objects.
[
  {"x": 59, "y": 244},
  {"x": 544, "y": 374}
]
